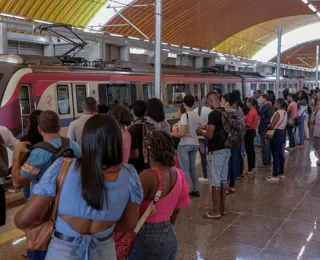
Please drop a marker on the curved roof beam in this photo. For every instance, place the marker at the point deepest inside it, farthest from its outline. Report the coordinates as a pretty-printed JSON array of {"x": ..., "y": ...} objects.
[
  {"x": 105, "y": 15},
  {"x": 291, "y": 39}
]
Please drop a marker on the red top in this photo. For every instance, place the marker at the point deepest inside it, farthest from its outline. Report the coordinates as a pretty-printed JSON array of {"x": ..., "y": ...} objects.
[{"x": 252, "y": 119}]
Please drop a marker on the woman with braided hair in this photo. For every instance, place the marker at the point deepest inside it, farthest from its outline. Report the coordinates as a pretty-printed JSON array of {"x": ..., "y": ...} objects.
[{"x": 157, "y": 238}]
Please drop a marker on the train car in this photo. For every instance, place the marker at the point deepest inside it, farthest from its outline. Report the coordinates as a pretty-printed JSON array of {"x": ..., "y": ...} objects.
[{"x": 33, "y": 82}]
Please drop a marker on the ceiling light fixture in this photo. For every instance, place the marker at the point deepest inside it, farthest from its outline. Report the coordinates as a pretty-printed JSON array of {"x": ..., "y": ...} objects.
[
  {"x": 133, "y": 38},
  {"x": 311, "y": 6},
  {"x": 318, "y": 13},
  {"x": 305, "y": 1},
  {"x": 174, "y": 45},
  {"x": 116, "y": 35},
  {"x": 40, "y": 21},
  {"x": 187, "y": 53},
  {"x": 165, "y": 50},
  {"x": 196, "y": 49}
]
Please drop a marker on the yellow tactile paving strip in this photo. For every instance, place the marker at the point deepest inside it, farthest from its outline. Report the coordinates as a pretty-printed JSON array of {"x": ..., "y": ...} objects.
[{"x": 5, "y": 237}]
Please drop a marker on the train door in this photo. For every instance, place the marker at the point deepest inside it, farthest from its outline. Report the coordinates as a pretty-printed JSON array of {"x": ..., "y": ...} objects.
[
  {"x": 65, "y": 108},
  {"x": 26, "y": 106},
  {"x": 79, "y": 93}
]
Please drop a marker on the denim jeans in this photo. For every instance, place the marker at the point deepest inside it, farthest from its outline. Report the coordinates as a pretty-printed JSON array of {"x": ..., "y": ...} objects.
[
  {"x": 265, "y": 151},
  {"x": 249, "y": 143},
  {"x": 240, "y": 160},
  {"x": 276, "y": 145},
  {"x": 234, "y": 166},
  {"x": 218, "y": 166},
  {"x": 155, "y": 241},
  {"x": 187, "y": 155},
  {"x": 203, "y": 143},
  {"x": 60, "y": 250},
  {"x": 292, "y": 139},
  {"x": 301, "y": 130}
]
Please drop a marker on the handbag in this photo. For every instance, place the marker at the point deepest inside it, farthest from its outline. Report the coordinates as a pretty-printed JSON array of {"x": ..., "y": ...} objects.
[
  {"x": 38, "y": 237},
  {"x": 270, "y": 133},
  {"x": 124, "y": 240}
]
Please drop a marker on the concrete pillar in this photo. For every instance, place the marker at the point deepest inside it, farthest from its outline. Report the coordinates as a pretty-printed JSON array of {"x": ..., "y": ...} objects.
[
  {"x": 151, "y": 56},
  {"x": 199, "y": 62},
  {"x": 3, "y": 38},
  {"x": 95, "y": 50},
  {"x": 210, "y": 62},
  {"x": 49, "y": 50},
  {"x": 237, "y": 66},
  {"x": 125, "y": 53}
]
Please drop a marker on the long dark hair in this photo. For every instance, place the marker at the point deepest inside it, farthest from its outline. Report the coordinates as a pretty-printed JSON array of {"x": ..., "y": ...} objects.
[
  {"x": 33, "y": 135},
  {"x": 101, "y": 149},
  {"x": 254, "y": 102}
]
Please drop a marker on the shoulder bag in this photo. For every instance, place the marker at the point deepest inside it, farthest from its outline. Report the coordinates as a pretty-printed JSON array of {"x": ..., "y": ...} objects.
[
  {"x": 124, "y": 240},
  {"x": 270, "y": 133},
  {"x": 38, "y": 238}
]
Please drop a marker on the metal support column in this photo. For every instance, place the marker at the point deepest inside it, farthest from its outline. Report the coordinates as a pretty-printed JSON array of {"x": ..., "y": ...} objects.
[
  {"x": 278, "y": 62},
  {"x": 158, "y": 43},
  {"x": 317, "y": 67}
]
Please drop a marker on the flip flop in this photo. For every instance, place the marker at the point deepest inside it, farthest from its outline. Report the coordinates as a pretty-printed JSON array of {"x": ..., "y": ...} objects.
[
  {"x": 224, "y": 213},
  {"x": 231, "y": 191},
  {"x": 207, "y": 215}
]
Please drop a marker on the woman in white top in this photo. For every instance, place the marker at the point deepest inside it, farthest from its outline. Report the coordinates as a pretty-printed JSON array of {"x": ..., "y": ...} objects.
[
  {"x": 189, "y": 143},
  {"x": 302, "y": 115},
  {"x": 278, "y": 123}
]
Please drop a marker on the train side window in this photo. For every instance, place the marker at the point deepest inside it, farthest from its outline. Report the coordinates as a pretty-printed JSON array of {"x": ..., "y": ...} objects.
[
  {"x": 148, "y": 91},
  {"x": 63, "y": 99},
  {"x": 117, "y": 94},
  {"x": 176, "y": 93},
  {"x": 25, "y": 100},
  {"x": 81, "y": 94}
]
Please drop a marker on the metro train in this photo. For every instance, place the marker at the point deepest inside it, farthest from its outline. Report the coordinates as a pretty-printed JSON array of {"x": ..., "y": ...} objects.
[{"x": 34, "y": 82}]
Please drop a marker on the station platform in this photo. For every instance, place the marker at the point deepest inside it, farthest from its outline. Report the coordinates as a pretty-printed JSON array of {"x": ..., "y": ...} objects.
[{"x": 264, "y": 220}]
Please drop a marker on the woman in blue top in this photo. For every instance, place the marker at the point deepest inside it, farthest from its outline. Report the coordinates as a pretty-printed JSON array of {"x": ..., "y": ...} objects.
[{"x": 99, "y": 195}]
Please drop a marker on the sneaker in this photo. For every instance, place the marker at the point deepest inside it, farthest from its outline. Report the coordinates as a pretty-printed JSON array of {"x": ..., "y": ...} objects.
[
  {"x": 290, "y": 149},
  {"x": 272, "y": 178},
  {"x": 262, "y": 166},
  {"x": 194, "y": 194},
  {"x": 282, "y": 176},
  {"x": 203, "y": 180}
]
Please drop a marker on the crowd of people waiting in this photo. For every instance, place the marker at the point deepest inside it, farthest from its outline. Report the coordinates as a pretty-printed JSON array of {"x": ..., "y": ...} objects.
[{"x": 124, "y": 161}]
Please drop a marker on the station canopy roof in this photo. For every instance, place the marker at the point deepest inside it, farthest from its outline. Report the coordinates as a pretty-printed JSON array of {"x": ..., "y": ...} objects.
[{"x": 239, "y": 27}]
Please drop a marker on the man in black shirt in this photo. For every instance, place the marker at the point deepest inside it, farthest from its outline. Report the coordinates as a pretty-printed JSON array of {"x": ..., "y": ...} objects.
[
  {"x": 266, "y": 112},
  {"x": 136, "y": 132},
  {"x": 218, "y": 159}
]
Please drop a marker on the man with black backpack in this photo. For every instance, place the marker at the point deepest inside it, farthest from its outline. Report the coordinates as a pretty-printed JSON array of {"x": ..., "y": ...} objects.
[
  {"x": 43, "y": 154},
  {"x": 7, "y": 140},
  {"x": 218, "y": 158}
]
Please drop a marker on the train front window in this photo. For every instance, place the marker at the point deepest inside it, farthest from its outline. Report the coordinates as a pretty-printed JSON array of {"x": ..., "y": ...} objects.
[
  {"x": 63, "y": 99},
  {"x": 81, "y": 94},
  {"x": 148, "y": 91},
  {"x": 176, "y": 93},
  {"x": 25, "y": 100}
]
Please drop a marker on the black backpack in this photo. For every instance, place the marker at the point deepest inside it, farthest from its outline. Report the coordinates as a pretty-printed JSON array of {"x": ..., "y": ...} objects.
[
  {"x": 64, "y": 151},
  {"x": 234, "y": 128},
  {"x": 4, "y": 161}
]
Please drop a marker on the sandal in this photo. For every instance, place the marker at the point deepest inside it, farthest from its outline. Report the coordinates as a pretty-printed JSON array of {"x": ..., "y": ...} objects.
[
  {"x": 232, "y": 190},
  {"x": 207, "y": 215},
  {"x": 224, "y": 213}
]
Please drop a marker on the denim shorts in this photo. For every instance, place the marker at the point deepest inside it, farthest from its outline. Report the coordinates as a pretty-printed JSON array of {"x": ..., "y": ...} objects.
[
  {"x": 218, "y": 167},
  {"x": 156, "y": 241}
]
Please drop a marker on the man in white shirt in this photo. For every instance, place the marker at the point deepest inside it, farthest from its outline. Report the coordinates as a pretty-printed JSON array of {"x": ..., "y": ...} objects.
[
  {"x": 7, "y": 140},
  {"x": 203, "y": 112},
  {"x": 76, "y": 127}
]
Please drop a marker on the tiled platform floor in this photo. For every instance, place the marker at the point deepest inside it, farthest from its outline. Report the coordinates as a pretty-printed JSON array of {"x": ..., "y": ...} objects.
[{"x": 264, "y": 221}]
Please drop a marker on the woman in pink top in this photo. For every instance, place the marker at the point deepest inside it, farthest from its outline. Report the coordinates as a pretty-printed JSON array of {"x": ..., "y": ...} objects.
[
  {"x": 292, "y": 113},
  {"x": 157, "y": 238},
  {"x": 251, "y": 120},
  {"x": 123, "y": 116}
]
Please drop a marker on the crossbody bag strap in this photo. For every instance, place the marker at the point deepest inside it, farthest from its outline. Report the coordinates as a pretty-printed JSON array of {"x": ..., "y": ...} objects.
[
  {"x": 60, "y": 180},
  {"x": 151, "y": 207}
]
